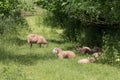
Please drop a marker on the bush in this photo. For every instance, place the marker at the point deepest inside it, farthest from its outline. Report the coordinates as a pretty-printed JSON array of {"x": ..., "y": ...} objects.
[
  {"x": 9, "y": 7},
  {"x": 11, "y": 24},
  {"x": 111, "y": 41}
]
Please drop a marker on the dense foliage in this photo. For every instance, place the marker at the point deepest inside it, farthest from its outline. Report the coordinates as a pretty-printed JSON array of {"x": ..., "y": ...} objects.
[
  {"x": 10, "y": 16},
  {"x": 77, "y": 14},
  {"x": 89, "y": 22},
  {"x": 8, "y": 7},
  {"x": 86, "y": 10}
]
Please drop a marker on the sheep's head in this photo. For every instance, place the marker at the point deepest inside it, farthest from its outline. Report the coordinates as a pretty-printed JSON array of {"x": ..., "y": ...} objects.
[
  {"x": 46, "y": 44},
  {"x": 77, "y": 47},
  {"x": 56, "y": 50}
]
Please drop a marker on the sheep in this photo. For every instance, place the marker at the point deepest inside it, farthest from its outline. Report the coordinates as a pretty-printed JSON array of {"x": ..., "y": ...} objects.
[
  {"x": 83, "y": 50},
  {"x": 37, "y": 39},
  {"x": 96, "y": 49},
  {"x": 63, "y": 54},
  {"x": 94, "y": 58},
  {"x": 87, "y": 60},
  {"x": 96, "y": 55}
]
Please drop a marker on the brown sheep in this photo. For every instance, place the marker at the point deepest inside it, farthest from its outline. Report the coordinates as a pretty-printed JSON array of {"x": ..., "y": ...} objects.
[
  {"x": 63, "y": 54},
  {"x": 96, "y": 49},
  {"x": 83, "y": 50},
  {"x": 37, "y": 39}
]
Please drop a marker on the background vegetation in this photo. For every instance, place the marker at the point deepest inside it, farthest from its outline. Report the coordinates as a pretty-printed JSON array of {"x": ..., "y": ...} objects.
[
  {"x": 91, "y": 23},
  {"x": 64, "y": 23}
]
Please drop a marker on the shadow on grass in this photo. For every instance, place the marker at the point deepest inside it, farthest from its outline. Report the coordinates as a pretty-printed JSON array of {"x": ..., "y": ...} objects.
[
  {"x": 21, "y": 42},
  {"x": 56, "y": 41},
  {"x": 18, "y": 41},
  {"x": 27, "y": 59}
]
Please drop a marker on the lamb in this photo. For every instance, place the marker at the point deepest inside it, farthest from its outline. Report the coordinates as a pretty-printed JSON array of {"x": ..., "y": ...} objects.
[
  {"x": 83, "y": 50},
  {"x": 87, "y": 60},
  {"x": 37, "y": 39},
  {"x": 63, "y": 54}
]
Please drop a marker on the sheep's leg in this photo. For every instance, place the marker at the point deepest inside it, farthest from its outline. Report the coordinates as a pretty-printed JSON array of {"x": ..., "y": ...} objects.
[
  {"x": 60, "y": 56},
  {"x": 30, "y": 45},
  {"x": 39, "y": 45}
]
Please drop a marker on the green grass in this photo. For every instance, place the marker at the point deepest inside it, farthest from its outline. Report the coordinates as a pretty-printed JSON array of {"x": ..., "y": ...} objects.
[
  {"x": 19, "y": 62},
  {"x": 22, "y": 63}
]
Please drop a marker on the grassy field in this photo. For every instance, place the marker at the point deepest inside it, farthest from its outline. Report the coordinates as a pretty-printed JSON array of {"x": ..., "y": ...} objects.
[{"x": 19, "y": 62}]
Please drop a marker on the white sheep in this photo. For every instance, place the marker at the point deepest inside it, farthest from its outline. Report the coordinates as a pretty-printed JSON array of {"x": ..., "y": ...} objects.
[
  {"x": 87, "y": 60},
  {"x": 90, "y": 60},
  {"x": 37, "y": 39},
  {"x": 63, "y": 54}
]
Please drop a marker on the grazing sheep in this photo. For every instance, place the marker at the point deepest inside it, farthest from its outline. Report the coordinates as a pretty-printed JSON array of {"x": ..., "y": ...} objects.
[
  {"x": 83, "y": 50},
  {"x": 87, "y": 60},
  {"x": 37, "y": 39},
  {"x": 63, "y": 54}
]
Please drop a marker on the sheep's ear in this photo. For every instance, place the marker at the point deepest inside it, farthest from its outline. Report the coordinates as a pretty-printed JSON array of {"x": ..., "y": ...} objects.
[
  {"x": 55, "y": 50},
  {"x": 58, "y": 49}
]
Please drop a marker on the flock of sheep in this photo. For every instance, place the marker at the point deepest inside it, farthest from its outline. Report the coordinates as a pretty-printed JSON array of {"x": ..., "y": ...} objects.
[{"x": 95, "y": 52}]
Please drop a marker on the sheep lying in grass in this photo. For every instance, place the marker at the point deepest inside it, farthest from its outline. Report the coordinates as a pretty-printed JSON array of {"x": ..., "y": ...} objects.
[
  {"x": 37, "y": 39},
  {"x": 63, "y": 54},
  {"x": 83, "y": 50},
  {"x": 90, "y": 60},
  {"x": 87, "y": 60},
  {"x": 96, "y": 54},
  {"x": 96, "y": 49}
]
